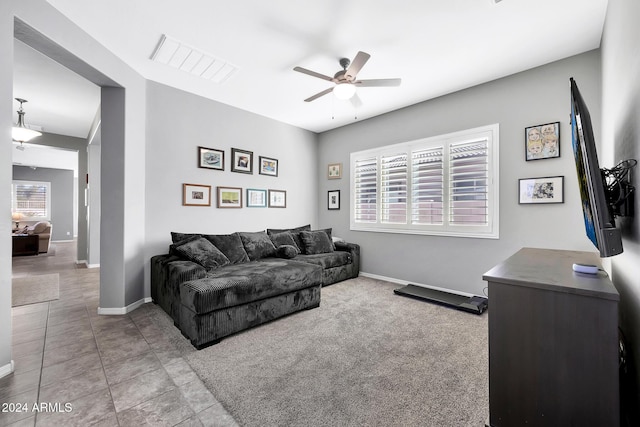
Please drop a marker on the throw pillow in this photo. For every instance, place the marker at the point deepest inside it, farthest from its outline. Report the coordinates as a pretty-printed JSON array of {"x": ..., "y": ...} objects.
[
  {"x": 284, "y": 239},
  {"x": 230, "y": 245},
  {"x": 200, "y": 250},
  {"x": 292, "y": 230},
  {"x": 295, "y": 232},
  {"x": 258, "y": 245},
  {"x": 177, "y": 237},
  {"x": 316, "y": 242},
  {"x": 287, "y": 251}
]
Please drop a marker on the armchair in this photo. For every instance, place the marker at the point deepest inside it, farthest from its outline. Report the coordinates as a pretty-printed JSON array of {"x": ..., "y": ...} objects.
[{"x": 43, "y": 230}]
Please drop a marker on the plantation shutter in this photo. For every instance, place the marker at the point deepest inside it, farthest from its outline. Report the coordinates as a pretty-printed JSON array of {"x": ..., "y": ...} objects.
[
  {"x": 468, "y": 183},
  {"x": 393, "y": 183},
  {"x": 366, "y": 190},
  {"x": 427, "y": 186}
]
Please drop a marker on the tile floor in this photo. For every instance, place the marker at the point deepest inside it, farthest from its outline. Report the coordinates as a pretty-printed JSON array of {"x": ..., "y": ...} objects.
[{"x": 99, "y": 370}]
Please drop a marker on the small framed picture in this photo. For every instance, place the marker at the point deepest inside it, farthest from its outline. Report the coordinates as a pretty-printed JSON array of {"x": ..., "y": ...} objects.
[
  {"x": 541, "y": 190},
  {"x": 229, "y": 197},
  {"x": 268, "y": 166},
  {"x": 241, "y": 161},
  {"x": 196, "y": 195},
  {"x": 334, "y": 171},
  {"x": 333, "y": 200},
  {"x": 256, "y": 198},
  {"x": 542, "y": 141},
  {"x": 210, "y": 158},
  {"x": 277, "y": 199}
]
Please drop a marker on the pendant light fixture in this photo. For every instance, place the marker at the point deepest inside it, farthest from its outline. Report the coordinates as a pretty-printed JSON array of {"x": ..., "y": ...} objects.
[{"x": 21, "y": 133}]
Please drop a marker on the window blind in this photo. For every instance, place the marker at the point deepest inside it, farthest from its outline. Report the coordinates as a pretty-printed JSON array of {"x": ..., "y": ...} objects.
[
  {"x": 393, "y": 183},
  {"x": 31, "y": 200},
  {"x": 427, "y": 186},
  {"x": 366, "y": 190},
  {"x": 468, "y": 183}
]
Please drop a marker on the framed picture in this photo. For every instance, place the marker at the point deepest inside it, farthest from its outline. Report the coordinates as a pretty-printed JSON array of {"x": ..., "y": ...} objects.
[
  {"x": 241, "y": 161},
  {"x": 196, "y": 195},
  {"x": 542, "y": 141},
  {"x": 268, "y": 166},
  {"x": 229, "y": 197},
  {"x": 210, "y": 158},
  {"x": 277, "y": 199},
  {"x": 333, "y": 200},
  {"x": 541, "y": 190},
  {"x": 256, "y": 198},
  {"x": 334, "y": 171}
]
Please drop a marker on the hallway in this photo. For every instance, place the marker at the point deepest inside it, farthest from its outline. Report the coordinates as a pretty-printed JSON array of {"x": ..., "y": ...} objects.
[{"x": 97, "y": 370}]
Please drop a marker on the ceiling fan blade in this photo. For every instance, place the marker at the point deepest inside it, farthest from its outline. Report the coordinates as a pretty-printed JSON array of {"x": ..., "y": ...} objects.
[
  {"x": 313, "y": 73},
  {"x": 319, "y": 94},
  {"x": 356, "y": 65},
  {"x": 378, "y": 82},
  {"x": 356, "y": 101}
]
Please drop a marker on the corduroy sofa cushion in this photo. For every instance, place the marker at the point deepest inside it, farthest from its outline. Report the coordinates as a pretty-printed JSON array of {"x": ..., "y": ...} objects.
[{"x": 242, "y": 283}]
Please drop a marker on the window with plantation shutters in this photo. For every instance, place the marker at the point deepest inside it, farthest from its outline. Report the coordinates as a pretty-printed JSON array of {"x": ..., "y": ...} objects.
[
  {"x": 445, "y": 185},
  {"x": 32, "y": 199}
]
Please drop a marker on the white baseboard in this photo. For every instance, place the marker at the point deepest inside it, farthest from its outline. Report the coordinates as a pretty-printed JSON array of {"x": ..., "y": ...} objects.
[
  {"x": 123, "y": 310},
  {"x": 62, "y": 241},
  {"x": 404, "y": 283},
  {"x": 7, "y": 369},
  {"x": 86, "y": 264}
]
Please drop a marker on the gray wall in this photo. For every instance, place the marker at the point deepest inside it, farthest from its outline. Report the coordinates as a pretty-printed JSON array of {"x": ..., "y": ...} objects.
[
  {"x": 177, "y": 123},
  {"x": 621, "y": 140},
  {"x": 533, "y": 97},
  {"x": 61, "y": 196}
]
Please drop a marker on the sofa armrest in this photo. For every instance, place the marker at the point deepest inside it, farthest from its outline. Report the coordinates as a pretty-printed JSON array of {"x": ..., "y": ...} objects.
[
  {"x": 354, "y": 248},
  {"x": 167, "y": 273}
]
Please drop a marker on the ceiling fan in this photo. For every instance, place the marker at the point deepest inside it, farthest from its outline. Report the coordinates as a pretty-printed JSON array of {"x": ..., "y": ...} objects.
[{"x": 345, "y": 79}]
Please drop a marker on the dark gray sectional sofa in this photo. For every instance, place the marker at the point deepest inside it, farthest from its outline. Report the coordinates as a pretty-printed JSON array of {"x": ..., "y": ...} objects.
[{"x": 216, "y": 285}]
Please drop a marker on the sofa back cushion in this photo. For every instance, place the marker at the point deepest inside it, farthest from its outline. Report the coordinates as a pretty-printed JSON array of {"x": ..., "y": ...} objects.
[
  {"x": 230, "y": 245},
  {"x": 201, "y": 251},
  {"x": 257, "y": 245},
  {"x": 317, "y": 242}
]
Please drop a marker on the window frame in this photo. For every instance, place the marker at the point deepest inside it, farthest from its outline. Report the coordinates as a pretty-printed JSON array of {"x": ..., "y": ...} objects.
[
  {"x": 14, "y": 201},
  {"x": 490, "y": 133}
]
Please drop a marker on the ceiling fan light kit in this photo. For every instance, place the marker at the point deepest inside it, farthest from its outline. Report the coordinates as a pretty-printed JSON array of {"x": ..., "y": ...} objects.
[
  {"x": 20, "y": 132},
  {"x": 344, "y": 91},
  {"x": 345, "y": 80}
]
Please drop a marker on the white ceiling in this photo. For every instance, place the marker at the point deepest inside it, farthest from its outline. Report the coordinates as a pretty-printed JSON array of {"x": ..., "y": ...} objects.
[
  {"x": 59, "y": 100},
  {"x": 436, "y": 47}
]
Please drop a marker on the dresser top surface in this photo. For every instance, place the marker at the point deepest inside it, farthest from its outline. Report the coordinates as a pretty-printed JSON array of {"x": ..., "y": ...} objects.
[{"x": 552, "y": 269}]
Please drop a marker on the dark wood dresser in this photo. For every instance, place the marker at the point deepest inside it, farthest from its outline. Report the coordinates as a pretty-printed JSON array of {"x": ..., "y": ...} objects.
[{"x": 553, "y": 342}]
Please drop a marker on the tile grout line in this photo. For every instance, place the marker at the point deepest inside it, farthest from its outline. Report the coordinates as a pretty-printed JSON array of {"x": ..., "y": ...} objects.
[
  {"x": 93, "y": 332},
  {"x": 44, "y": 345}
]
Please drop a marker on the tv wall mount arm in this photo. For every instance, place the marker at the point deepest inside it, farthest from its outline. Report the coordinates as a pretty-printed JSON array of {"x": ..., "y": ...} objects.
[{"x": 619, "y": 191}]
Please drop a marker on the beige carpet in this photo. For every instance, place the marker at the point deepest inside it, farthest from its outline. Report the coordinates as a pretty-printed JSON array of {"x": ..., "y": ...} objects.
[
  {"x": 365, "y": 357},
  {"x": 34, "y": 289}
]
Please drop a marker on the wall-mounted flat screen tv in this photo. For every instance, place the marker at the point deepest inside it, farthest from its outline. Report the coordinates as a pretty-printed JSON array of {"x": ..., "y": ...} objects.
[{"x": 598, "y": 215}]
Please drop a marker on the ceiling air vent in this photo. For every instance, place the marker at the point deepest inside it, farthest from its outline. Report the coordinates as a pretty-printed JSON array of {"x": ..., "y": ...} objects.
[{"x": 186, "y": 58}]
